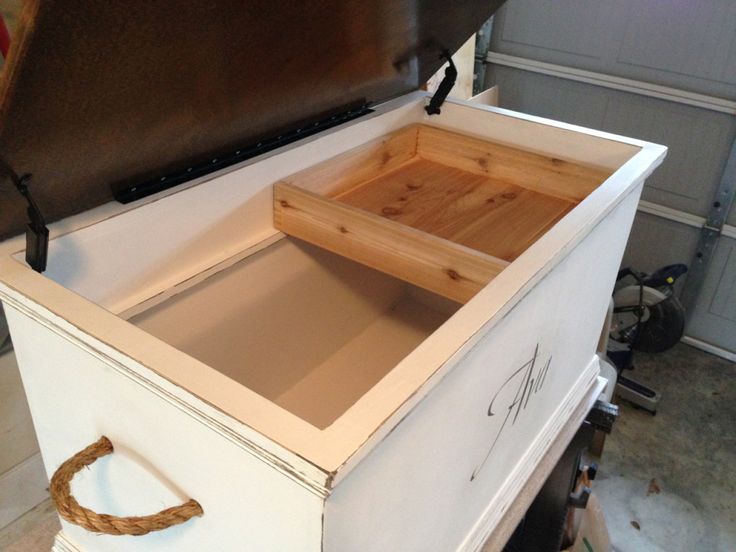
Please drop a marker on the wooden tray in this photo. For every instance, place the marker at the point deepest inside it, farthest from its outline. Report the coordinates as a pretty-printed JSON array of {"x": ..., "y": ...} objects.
[{"x": 441, "y": 210}]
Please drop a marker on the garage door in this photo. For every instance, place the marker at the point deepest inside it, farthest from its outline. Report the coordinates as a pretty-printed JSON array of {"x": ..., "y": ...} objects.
[{"x": 661, "y": 71}]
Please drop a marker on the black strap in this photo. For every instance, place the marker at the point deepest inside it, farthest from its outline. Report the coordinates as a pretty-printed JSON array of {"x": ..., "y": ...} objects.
[
  {"x": 433, "y": 108},
  {"x": 37, "y": 234}
]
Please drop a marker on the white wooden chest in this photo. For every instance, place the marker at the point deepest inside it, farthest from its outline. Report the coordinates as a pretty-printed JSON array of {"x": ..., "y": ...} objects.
[{"x": 388, "y": 383}]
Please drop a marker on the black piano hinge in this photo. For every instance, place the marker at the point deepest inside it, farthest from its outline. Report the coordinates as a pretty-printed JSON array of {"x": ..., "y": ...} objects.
[
  {"x": 37, "y": 234},
  {"x": 440, "y": 95},
  {"x": 164, "y": 182}
]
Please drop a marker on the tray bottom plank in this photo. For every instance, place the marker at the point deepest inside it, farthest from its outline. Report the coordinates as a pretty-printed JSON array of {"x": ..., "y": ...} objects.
[{"x": 490, "y": 215}]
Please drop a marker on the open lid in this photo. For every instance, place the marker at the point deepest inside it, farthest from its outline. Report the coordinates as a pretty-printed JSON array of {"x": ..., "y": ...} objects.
[{"x": 98, "y": 96}]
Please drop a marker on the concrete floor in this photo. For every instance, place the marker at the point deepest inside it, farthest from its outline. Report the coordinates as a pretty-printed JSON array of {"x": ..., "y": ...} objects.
[
  {"x": 33, "y": 532},
  {"x": 688, "y": 448}
]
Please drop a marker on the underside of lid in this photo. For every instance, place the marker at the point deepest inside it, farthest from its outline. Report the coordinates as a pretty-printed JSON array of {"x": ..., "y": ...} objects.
[{"x": 97, "y": 96}]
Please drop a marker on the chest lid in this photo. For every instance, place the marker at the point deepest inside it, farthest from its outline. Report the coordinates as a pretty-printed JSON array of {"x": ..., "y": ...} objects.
[{"x": 97, "y": 97}]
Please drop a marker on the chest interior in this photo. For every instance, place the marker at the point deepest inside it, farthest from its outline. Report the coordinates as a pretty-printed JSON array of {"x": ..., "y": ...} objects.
[{"x": 383, "y": 244}]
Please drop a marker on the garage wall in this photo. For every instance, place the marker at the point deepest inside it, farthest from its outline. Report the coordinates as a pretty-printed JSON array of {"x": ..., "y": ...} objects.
[
  {"x": 714, "y": 318},
  {"x": 682, "y": 44},
  {"x": 699, "y": 139},
  {"x": 661, "y": 71}
]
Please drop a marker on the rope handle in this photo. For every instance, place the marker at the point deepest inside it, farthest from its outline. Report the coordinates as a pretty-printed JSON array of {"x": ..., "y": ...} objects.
[{"x": 71, "y": 511}]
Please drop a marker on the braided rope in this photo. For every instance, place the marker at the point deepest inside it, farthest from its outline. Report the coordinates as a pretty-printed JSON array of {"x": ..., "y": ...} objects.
[{"x": 70, "y": 509}]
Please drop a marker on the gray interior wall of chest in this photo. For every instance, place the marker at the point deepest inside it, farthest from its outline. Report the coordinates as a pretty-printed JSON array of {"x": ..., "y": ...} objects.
[{"x": 688, "y": 46}]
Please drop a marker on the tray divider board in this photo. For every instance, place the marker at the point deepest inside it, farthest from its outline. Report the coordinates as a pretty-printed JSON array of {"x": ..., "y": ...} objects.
[
  {"x": 547, "y": 175},
  {"x": 443, "y": 267}
]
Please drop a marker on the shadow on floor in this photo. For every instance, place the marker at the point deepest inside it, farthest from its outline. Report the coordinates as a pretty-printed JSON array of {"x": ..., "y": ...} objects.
[{"x": 688, "y": 449}]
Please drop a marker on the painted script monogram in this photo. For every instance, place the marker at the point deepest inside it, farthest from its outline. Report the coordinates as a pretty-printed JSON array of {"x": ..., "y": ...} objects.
[{"x": 528, "y": 380}]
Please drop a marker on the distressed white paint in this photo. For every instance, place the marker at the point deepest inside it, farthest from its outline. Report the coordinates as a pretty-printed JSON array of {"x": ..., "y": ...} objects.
[
  {"x": 162, "y": 457},
  {"x": 62, "y": 543},
  {"x": 260, "y": 472},
  {"x": 446, "y": 438}
]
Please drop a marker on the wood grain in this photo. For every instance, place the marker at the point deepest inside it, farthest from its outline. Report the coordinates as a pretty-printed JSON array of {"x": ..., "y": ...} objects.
[
  {"x": 539, "y": 173},
  {"x": 446, "y": 268},
  {"x": 491, "y": 198},
  {"x": 491, "y": 215},
  {"x": 355, "y": 166}
]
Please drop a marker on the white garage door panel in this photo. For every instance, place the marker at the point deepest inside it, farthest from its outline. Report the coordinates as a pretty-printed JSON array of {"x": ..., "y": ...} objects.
[
  {"x": 689, "y": 45},
  {"x": 660, "y": 36},
  {"x": 655, "y": 242},
  {"x": 550, "y": 97},
  {"x": 714, "y": 319},
  {"x": 699, "y": 140},
  {"x": 527, "y": 27}
]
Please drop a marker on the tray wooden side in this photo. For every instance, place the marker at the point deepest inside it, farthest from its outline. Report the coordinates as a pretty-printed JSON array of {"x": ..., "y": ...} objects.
[
  {"x": 441, "y": 210},
  {"x": 359, "y": 165},
  {"x": 449, "y": 269},
  {"x": 540, "y": 173}
]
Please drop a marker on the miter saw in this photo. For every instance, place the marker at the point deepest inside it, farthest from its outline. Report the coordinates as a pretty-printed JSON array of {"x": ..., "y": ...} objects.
[{"x": 648, "y": 317}]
